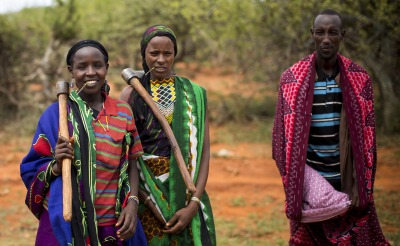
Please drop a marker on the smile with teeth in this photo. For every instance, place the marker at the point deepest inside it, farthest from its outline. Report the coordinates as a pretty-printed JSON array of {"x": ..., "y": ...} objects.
[{"x": 91, "y": 82}]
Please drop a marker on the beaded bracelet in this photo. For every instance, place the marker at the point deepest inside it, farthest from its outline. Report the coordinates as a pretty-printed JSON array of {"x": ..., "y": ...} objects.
[
  {"x": 195, "y": 199},
  {"x": 135, "y": 198}
]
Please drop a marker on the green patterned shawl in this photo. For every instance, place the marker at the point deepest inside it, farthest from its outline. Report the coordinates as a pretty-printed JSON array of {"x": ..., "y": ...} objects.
[{"x": 170, "y": 195}]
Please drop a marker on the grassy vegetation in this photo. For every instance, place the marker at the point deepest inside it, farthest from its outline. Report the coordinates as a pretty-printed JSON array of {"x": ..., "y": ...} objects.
[
  {"x": 20, "y": 232},
  {"x": 388, "y": 209},
  {"x": 238, "y": 202},
  {"x": 255, "y": 132},
  {"x": 238, "y": 108},
  {"x": 253, "y": 230},
  {"x": 241, "y": 119}
]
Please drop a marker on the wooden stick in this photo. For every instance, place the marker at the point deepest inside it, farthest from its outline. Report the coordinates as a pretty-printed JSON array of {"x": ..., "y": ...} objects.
[
  {"x": 150, "y": 205},
  {"x": 131, "y": 78},
  {"x": 62, "y": 94}
]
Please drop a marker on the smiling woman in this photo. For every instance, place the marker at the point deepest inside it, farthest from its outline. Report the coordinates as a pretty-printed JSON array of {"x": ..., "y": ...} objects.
[
  {"x": 88, "y": 64},
  {"x": 103, "y": 147}
]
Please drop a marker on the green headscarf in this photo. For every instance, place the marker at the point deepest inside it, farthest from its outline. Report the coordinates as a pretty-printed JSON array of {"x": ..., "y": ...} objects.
[{"x": 151, "y": 32}]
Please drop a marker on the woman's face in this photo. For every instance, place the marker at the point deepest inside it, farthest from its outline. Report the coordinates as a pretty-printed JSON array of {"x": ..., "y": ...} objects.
[
  {"x": 160, "y": 56},
  {"x": 89, "y": 69}
]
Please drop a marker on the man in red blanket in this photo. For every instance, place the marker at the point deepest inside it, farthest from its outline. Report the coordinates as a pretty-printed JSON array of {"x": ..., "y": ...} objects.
[{"x": 325, "y": 120}]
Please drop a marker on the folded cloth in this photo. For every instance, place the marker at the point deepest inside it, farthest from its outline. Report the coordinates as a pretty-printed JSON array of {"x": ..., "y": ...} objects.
[{"x": 320, "y": 200}]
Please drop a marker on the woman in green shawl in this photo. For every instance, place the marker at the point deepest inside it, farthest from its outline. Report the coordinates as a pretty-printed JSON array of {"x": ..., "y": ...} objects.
[{"x": 169, "y": 213}]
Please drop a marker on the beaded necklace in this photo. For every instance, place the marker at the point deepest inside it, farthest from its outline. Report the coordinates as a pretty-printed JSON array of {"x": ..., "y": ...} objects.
[{"x": 163, "y": 93}]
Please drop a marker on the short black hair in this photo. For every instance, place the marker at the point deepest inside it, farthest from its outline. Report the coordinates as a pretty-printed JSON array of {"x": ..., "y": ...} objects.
[{"x": 329, "y": 12}]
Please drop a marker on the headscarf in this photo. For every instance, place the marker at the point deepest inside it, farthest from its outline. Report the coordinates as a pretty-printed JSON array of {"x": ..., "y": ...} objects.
[
  {"x": 85, "y": 43},
  {"x": 140, "y": 108},
  {"x": 151, "y": 32}
]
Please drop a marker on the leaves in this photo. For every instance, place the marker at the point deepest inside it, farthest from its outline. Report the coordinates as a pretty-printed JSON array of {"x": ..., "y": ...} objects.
[{"x": 258, "y": 38}]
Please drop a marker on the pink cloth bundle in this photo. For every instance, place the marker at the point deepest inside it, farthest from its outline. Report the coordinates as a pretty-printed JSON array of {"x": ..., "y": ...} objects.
[{"x": 320, "y": 200}]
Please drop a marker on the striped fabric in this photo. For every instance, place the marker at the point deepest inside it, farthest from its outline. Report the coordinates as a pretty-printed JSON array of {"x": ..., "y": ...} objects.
[
  {"x": 110, "y": 126},
  {"x": 323, "y": 143},
  {"x": 43, "y": 191},
  {"x": 155, "y": 30}
]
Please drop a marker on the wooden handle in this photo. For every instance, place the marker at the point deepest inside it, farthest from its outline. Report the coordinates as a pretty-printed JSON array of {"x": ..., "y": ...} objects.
[
  {"x": 168, "y": 131},
  {"x": 150, "y": 205},
  {"x": 66, "y": 166}
]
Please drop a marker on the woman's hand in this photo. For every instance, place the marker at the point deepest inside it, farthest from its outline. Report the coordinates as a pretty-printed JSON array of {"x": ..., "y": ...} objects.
[
  {"x": 63, "y": 150},
  {"x": 181, "y": 218},
  {"x": 127, "y": 221}
]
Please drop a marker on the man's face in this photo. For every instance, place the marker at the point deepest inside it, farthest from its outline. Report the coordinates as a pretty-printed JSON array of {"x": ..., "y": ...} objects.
[{"x": 327, "y": 35}]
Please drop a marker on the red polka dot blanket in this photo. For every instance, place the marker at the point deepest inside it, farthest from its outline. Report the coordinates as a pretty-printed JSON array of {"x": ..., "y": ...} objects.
[{"x": 290, "y": 138}]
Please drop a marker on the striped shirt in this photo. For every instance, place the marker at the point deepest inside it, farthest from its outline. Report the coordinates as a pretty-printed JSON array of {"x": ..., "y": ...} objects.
[
  {"x": 323, "y": 143},
  {"x": 110, "y": 126}
]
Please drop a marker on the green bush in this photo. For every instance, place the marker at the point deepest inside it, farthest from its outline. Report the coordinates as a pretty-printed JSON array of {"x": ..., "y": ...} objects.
[{"x": 237, "y": 108}]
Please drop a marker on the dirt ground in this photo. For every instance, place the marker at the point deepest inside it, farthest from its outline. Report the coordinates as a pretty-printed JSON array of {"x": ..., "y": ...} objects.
[
  {"x": 249, "y": 175},
  {"x": 244, "y": 185}
]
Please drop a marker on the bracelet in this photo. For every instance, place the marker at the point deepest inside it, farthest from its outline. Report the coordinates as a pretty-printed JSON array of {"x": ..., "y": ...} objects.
[
  {"x": 52, "y": 172},
  {"x": 135, "y": 198},
  {"x": 147, "y": 200},
  {"x": 195, "y": 199}
]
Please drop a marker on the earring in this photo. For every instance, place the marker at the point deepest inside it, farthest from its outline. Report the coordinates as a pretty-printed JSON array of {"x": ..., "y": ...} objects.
[
  {"x": 106, "y": 88},
  {"x": 72, "y": 83}
]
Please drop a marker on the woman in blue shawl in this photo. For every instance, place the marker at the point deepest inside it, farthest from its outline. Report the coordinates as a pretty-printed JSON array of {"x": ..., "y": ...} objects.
[{"x": 103, "y": 152}]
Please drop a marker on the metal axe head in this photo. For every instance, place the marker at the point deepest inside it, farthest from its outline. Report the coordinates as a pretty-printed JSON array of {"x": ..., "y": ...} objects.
[
  {"x": 62, "y": 87},
  {"x": 127, "y": 74}
]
